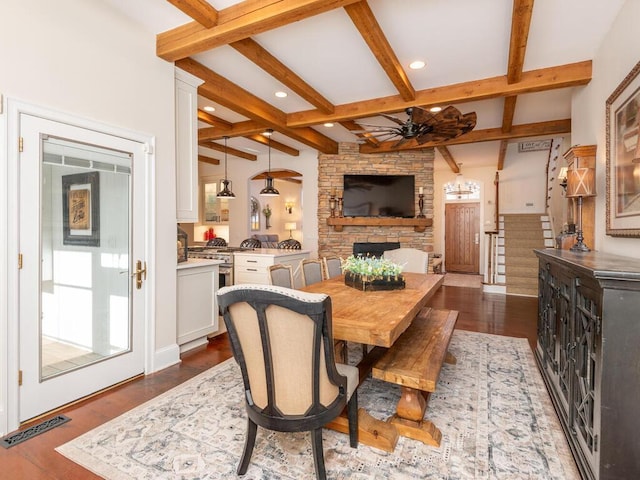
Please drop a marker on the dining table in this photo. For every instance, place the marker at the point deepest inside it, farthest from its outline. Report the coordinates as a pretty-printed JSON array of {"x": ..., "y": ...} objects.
[{"x": 375, "y": 319}]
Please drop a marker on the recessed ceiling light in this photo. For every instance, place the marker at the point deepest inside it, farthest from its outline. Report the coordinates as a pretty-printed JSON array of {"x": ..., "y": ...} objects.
[
  {"x": 252, "y": 150},
  {"x": 209, "y": 108},
  {"x": 267, "y": 133},
  {"x": 281, "y": 94},
  {"x": 416, "y": 65},
  {"x": 435, "y": 109},
  {"x": 328, "y": 124}
]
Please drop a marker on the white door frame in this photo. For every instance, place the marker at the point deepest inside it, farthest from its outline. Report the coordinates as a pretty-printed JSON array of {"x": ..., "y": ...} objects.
[{"x": 9, "y": 328}]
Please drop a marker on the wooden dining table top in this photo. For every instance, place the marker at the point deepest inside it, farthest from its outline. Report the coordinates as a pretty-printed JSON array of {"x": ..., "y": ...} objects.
[{"x": 376, "y": 317}]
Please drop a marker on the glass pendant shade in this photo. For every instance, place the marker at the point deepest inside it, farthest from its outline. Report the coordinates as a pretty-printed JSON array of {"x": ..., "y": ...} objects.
[
  {"x": 226, "y": 191},
  {"x": 269, "y": 190}
]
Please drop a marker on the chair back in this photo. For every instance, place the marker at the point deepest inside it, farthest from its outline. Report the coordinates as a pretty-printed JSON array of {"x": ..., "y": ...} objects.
[
  {"x": 283, "y": 342},
  {"x": 332, "y": 266},
  {"x": 250, "y": 243},
  {"x": 217, "y": 242},
  {"x": 414, "y": 260},
  {"x": 281, "y": 275},
  {"x": 312, "y": 271}
]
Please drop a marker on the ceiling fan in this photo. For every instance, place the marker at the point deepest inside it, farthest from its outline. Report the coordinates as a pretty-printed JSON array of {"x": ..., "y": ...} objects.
[{"x": 424, "y": 126}]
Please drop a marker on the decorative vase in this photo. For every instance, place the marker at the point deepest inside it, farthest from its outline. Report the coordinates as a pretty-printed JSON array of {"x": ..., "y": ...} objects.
[{"x": 357, "y": 281}]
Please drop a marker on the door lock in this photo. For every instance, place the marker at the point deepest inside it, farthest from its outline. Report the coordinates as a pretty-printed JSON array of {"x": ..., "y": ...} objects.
[{"x": 140, "y": 273}]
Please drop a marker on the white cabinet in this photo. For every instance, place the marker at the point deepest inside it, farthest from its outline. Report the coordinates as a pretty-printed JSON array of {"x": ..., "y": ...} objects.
[
  {"x": 253, "y": 266},
  {"x": 197, "y": 303},
  {"x": 186, "y": 108}
]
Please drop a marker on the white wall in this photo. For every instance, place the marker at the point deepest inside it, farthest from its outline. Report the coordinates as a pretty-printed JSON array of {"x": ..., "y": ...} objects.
[
  {"x": 617, "y": 55},
  {"x": 85, "y": 59},
  {"x": 240, "y": 171}
]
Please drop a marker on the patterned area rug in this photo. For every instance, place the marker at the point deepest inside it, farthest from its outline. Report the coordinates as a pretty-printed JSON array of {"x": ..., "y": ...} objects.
[
  {"x": 495, "y": 415},
  {"x": 463, "y": 280}
]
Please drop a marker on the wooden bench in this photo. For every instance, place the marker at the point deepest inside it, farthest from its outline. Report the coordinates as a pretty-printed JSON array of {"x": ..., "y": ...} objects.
[{"x": 414, "y": 362}]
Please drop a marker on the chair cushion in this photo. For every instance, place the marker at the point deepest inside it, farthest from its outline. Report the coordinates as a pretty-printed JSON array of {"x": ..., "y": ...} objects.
[{"x": 353, "y": 377}]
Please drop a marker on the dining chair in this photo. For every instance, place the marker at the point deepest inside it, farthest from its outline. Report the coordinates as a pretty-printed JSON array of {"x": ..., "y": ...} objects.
[
  {"x": 414, "y": 260},
  {"x": 281, "y": 275},
  {"x": 282, "y": 341},
  {"x": 312, "y": 271},
  {"x": 332, "y": 266}
]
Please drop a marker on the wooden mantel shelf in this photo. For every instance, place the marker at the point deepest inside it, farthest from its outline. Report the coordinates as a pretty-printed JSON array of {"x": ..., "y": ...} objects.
[{"x": 418, "y": 224}]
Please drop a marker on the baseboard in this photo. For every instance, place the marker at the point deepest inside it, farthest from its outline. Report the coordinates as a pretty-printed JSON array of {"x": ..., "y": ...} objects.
[
  {"x": 494, "y": 288},
  {"x": 165, "y": 357}
]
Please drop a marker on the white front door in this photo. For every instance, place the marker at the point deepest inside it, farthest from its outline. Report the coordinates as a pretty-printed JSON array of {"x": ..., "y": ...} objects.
[{"x": 82, "y": 239}]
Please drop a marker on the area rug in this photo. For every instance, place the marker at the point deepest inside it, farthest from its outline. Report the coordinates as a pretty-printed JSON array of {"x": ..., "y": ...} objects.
[
  {"x": 462, "y": 280},
  {"x": 495, "y": 415}
]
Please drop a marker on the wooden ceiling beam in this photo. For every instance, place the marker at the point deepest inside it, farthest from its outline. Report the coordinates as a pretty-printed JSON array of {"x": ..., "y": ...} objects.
[
  {"x": 502, "y": 154},
  {"x": 520, "y": 23},
  {"x": 571, "y": 75},
  {"x": 366, "y": 23},
  {"x": 243, "y": 20},
  {"x": 552, "y": 127},
  {"x": 261, "y": 139},
  {"x": 239, "y": 129},
  {"x": 216, "y": 122},
  {"x": 274, "y": 67},
  {"x": 209, "y": 160},
  {"x": 226, "y": 93},
  {"x": 508, "y": 112},
  {"x": 230, "y": 151},
  {"x": 446, "y": 154},
  {"x": 200, "y": 10}
]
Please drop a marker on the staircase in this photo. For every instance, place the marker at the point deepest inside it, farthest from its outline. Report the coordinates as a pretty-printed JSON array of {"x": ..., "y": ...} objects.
[{"x": 519, "y": 235}]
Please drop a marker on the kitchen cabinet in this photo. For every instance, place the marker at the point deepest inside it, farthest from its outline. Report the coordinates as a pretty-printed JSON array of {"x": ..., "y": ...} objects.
[
  {"x": 214, "y": 210},
  {"x": 197, "y": 285},
  {"x": 186, "y": 112},
  {"x": 253, "y": 266},
  {"x": 588, "y": 353}
]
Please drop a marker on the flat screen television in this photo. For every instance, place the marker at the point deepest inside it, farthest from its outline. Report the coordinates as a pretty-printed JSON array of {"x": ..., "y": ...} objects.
[{"x": 379, "y": 196}]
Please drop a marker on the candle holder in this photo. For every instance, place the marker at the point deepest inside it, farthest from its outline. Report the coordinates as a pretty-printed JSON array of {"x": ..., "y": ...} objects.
[
  {"x": 339, "y": 207},
  {"x": 332, "y": 205},
  {"x": 421, "y": 206}
]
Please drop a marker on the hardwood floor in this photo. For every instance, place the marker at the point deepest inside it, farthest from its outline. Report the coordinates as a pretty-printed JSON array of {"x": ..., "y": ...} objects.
[{"x": 36, "y": 459}]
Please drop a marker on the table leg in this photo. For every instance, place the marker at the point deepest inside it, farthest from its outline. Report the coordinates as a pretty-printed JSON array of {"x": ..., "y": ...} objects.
[
  {"x": 409, "y": 420},
  {"x": 371, "y": 431}
]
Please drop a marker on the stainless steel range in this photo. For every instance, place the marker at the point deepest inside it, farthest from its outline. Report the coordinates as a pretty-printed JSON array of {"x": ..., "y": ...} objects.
[{"x": 218, "y": 253}]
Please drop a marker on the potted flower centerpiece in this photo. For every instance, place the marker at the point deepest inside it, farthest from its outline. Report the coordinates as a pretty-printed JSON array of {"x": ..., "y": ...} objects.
[{"x": 372, "y": 273}]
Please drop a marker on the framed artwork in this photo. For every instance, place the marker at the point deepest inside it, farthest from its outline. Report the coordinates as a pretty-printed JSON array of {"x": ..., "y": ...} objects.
[
  {"x": 623, "y": 157},
  {"x": 81, "y": 209}
]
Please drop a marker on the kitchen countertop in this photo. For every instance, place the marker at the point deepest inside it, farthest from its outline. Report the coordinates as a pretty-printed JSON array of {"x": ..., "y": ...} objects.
[
  {"x": 198, "y": 262},
  {"x": 272, "y": 252}
]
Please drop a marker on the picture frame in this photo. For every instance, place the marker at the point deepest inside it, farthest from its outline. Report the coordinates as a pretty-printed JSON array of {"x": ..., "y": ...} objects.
[
  {"x": 81, "y": 209},
  {"x": 623, "y": 157}
]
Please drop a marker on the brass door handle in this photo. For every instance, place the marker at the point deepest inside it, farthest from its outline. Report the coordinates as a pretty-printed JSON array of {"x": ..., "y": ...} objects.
[{"x": 140, "y": 273}]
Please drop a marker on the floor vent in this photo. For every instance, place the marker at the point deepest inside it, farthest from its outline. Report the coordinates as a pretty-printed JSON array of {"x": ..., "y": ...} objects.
[{"x": 19, "y": 437}]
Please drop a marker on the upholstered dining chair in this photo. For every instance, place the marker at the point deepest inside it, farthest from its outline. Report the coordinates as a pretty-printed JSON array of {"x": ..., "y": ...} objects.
[
  {"x": 312, "y": 271},
  {"x": 281, "y": 275},
  {"x": 332, "y": 266},
  {"x": 282, "y": 339},
  {"x": 414, "y": 260}
]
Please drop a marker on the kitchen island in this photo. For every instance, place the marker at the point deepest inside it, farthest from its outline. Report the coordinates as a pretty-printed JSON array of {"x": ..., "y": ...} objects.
[
  {"x": 252, "y": 266},
  {"x": 197, "y": 309}
]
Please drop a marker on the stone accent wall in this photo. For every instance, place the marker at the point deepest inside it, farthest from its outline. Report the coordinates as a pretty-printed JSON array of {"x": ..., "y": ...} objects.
[{"x": 349, "y": 160}]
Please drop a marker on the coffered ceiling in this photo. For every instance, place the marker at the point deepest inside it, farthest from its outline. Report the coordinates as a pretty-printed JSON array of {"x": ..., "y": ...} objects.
[{"x": 514, "y": 62}]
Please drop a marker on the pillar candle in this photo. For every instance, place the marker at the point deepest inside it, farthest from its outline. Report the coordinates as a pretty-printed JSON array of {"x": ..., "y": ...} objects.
[{"x": 421, "y": 191}]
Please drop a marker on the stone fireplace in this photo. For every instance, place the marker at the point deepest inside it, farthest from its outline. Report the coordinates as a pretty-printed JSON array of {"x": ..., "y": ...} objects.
[{"x": 349, "y": 160}]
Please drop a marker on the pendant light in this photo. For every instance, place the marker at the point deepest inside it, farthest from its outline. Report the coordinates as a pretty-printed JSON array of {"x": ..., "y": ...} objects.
[
  {"x": 269, "y": 190},
  {"x": 226, "y": 191}
]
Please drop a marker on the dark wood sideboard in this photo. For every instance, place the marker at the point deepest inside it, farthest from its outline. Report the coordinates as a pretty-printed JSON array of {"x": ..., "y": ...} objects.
[{"x": 588, "y": 352}]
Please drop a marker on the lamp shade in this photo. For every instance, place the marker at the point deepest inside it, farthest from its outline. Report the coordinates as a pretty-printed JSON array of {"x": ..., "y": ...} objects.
[
  {"x": 581, "y": 182},
  {"x": 290, "y": 226}
]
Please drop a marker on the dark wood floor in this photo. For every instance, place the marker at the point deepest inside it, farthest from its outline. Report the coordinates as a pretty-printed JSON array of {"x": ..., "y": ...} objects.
[{"x": 36, "y": 459}]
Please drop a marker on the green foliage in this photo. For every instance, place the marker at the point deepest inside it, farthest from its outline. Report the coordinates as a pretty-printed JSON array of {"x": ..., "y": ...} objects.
[{"x": 371, "y": 268}]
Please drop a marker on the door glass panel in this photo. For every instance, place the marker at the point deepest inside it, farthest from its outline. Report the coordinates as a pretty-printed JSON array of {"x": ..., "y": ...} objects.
[{"x": 85, "y": 283}]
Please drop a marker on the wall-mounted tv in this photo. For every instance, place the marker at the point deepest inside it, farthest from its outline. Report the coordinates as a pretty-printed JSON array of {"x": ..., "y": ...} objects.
[{"x": 379, "y": 196}]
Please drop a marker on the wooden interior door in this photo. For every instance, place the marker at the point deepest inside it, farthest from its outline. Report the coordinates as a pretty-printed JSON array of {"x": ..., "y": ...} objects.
[{"x": 462, "y": 237}]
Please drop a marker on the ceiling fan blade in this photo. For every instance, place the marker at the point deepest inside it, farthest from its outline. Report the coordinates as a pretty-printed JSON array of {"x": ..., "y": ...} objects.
[
  {"x": 400, "y": 142},
  {"x": 420, "y": 115},
  {"x": 393, "y": 119}
]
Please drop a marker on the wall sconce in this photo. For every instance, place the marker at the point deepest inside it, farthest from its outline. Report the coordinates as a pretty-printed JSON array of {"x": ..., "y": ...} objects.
[
  {"x": 291, "y": 226},
  {"x": 562, "y": 177},
  {"x": 581, "y": 182},
  {"x": 288, "y": 206}
]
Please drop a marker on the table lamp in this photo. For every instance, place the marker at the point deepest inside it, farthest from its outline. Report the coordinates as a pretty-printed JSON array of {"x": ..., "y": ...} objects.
[
  {"x": 290, "y": 226},
  {"x": 581, "y": 182}
]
